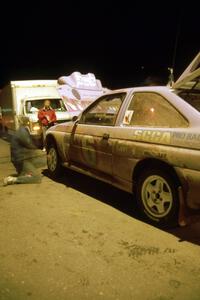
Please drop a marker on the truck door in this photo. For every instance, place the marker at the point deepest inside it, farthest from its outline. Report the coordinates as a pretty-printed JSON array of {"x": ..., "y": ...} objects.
[{"x": 22, "y": 113}]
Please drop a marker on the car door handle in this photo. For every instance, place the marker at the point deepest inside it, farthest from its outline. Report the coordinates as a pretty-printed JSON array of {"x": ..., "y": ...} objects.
[{"x": 106, "y": 136}]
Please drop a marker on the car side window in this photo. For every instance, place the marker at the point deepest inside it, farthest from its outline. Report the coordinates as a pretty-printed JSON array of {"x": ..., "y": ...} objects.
[
  {"x": 104, "y": 111},
  {"x": 152, "y": 110}
]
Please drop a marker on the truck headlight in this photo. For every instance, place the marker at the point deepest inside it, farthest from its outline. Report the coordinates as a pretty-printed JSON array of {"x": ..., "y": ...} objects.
[{"x": 36, "y": 127}]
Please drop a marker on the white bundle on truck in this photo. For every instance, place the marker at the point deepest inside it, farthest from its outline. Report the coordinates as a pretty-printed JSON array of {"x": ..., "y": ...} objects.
[{"x": 79, "y": 90}]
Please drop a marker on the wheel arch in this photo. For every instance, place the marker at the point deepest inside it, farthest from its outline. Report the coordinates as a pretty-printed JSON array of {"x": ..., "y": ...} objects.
[
  {"x": 154, "y": 163},
  {"x": 50, "y": 139}
]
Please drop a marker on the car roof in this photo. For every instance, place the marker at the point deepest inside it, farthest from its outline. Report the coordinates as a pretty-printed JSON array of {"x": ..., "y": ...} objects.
[
  {"x": 139, "y": 89},
  {"x": 185, "y": 108}
]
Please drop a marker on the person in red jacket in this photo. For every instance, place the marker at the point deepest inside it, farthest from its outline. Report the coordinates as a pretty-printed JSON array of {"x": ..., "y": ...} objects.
[{"x": 47, "y": 118}]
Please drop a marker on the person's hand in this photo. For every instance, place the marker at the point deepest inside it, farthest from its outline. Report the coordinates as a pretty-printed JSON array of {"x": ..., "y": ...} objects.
[{"x": 48, "y": 119}]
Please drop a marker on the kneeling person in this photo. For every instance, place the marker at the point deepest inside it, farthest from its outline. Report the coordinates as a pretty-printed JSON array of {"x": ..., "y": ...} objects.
[{"x": 26, "y": 158}]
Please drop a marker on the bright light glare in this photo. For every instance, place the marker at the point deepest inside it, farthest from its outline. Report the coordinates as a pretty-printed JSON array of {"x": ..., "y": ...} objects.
[
  {"x": 36, "y": 127},
  {"x": 152, "y": 109}
]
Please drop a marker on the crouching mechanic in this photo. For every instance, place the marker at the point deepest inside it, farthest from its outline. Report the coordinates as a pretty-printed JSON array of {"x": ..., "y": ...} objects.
[{"x": 26, "y": 158}]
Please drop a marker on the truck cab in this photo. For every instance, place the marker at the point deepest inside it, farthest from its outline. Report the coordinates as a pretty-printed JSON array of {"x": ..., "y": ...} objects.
[{"x": 30, "y": 107}]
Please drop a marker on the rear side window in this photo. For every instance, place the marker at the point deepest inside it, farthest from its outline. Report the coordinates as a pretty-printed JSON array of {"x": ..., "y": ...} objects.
[
  {"x": 192, "y": 98},
  {"x": 152, "y": 110}
]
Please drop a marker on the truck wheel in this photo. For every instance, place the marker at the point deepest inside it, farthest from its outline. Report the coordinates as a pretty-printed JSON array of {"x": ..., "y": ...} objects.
[
  {"x": 157, "y": 198},
  {"x": 53, "y": 161}
]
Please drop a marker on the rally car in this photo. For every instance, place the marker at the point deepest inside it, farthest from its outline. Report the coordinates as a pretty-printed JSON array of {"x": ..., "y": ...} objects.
[{"x": 143, "y": 140}]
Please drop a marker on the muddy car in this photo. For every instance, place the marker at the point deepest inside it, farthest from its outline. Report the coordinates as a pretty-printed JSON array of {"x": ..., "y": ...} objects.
[{"x": 143, "y": 140}]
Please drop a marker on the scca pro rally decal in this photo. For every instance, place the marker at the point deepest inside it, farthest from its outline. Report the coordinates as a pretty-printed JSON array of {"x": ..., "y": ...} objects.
[{"x": 162, "y": 137}]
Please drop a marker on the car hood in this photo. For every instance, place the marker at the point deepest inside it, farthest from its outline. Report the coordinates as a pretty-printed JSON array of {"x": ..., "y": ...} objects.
[
  {"x": 62, "y": 127},
  {"x": 66, "y": 115}
]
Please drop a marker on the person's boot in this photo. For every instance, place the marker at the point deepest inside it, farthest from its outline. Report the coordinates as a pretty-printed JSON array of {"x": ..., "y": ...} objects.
[{"x": 9, "y": 180}]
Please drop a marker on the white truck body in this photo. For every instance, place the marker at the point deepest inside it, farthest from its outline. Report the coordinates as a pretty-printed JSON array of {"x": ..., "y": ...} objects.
[{"x": 21, "y": 100}]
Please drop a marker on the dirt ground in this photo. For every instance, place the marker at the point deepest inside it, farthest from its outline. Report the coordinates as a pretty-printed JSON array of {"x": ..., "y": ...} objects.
[{"x": 78, "y": 238}]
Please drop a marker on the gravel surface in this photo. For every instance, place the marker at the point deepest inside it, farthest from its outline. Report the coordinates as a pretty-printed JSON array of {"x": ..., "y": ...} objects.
[{"x": 78, "y": 238}]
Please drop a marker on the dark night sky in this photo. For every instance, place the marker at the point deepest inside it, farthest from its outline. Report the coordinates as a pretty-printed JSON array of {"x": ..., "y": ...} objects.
[{"x": 121, "y": 44}]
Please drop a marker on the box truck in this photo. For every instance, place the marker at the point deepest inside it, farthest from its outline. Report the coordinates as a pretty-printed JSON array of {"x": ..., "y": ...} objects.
[{"x": 21, "y": 100}]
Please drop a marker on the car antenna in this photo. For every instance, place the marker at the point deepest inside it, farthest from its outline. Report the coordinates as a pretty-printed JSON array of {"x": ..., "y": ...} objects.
[{"x": 171, "y": 69}]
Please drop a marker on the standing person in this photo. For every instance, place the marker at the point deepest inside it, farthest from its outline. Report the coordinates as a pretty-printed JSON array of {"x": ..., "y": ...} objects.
[
  {"x": 25, "y": 157},
  {"x": 47, "y": 118}
]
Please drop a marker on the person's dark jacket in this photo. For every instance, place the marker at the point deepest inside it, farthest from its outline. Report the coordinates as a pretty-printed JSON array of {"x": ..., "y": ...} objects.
[{"x": 22, "y": 146}]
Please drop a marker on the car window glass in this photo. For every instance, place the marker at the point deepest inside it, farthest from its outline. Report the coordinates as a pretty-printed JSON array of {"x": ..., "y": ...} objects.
[
  {"x": 192, "y": 98},
  {"x": 104, "y": 111},
  {"x": 151, "y": 109}
]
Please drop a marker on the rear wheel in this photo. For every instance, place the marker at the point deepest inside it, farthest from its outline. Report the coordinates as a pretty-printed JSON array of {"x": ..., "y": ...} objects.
[
  {"x": 53, "y": 161},
  {"x": 157, "y": 197}
]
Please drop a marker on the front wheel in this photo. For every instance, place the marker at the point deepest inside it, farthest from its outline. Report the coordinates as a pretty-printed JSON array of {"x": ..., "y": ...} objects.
[
  {"x": 53, "y": 161},
  {"x": 157, "y": 197}
]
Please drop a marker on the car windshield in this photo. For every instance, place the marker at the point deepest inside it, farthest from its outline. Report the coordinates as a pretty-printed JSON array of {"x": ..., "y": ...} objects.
[
  {"x": 33, "y": 106},
  {"x": 193, "y": 98}
]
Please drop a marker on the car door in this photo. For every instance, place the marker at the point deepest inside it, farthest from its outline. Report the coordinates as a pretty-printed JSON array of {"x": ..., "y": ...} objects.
[
  {"x": 146, "y": 129},
  {"x": 92, "y": 138}
]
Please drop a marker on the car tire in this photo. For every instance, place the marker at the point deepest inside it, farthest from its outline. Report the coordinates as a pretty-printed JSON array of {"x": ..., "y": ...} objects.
[
  {"x": 53, "y": 161},
  {"x": 157, "y": 197}
]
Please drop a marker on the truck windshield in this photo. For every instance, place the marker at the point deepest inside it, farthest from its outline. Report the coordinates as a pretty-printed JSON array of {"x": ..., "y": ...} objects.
[{"x": 33, "y": 106}]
